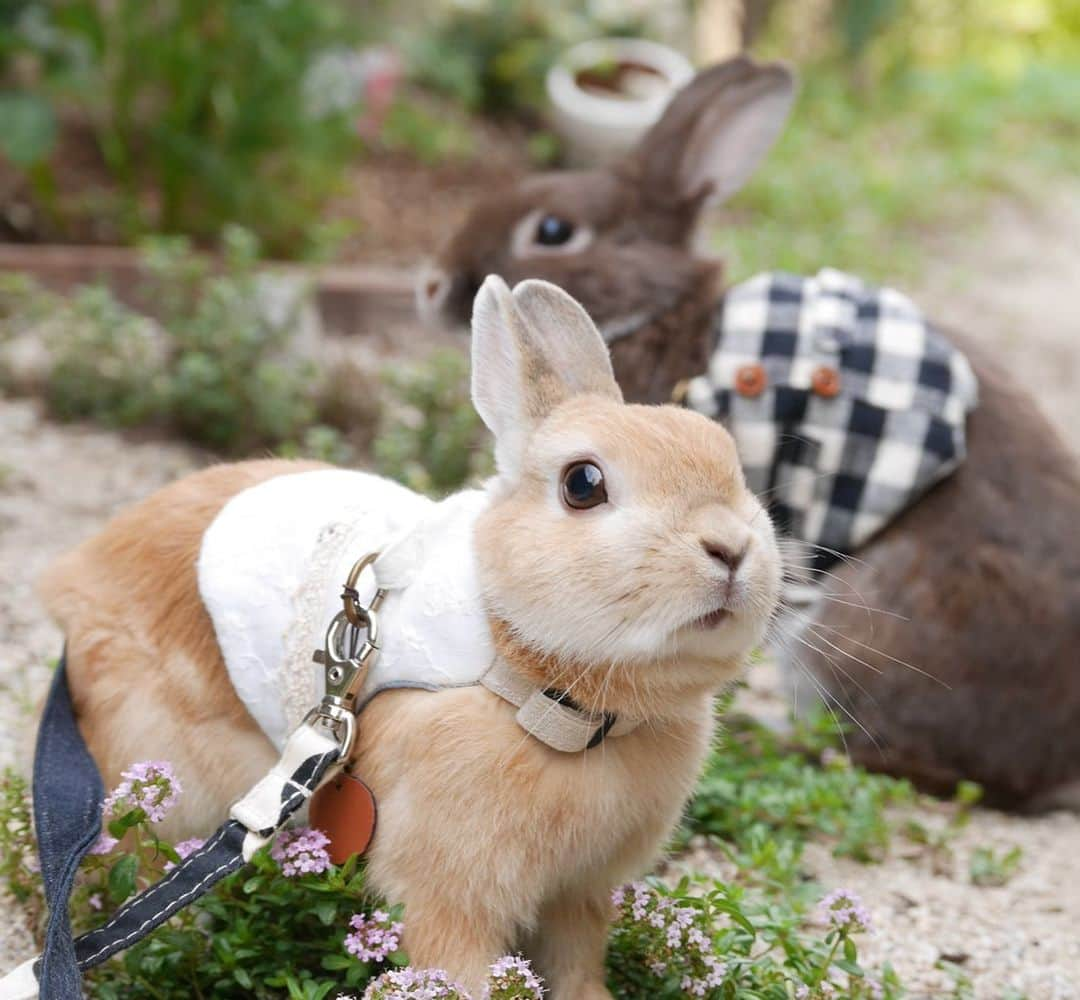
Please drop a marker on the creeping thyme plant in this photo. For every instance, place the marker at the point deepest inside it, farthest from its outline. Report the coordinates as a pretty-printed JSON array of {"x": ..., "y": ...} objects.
[{"x": 292, "y": 924}]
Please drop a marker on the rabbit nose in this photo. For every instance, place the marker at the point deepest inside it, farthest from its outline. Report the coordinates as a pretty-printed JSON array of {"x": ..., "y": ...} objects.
[
  {"x": 434, "y": 286},
  {"x": 725, "y": 554}
]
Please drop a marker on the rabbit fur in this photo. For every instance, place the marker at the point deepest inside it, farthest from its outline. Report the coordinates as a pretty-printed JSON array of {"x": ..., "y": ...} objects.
[{"x": 644, "y": 605}]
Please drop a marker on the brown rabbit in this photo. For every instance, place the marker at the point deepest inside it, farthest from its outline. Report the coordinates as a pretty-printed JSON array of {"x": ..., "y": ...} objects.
[{"x": 974, "y": 673}]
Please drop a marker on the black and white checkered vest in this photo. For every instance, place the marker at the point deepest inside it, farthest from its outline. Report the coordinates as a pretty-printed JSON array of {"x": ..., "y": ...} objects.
[{"x": 845, "y": 404}]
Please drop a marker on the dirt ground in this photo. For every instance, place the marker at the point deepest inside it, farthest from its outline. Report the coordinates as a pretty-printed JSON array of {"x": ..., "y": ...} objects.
[{"x": 1013, "y": 283}]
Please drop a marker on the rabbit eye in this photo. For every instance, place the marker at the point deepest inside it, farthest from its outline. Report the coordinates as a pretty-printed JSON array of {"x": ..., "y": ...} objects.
[
  {"x": 583, "y": 486},
  {"x": 542, "y": 232},
  {"x": 552, "y": 231}
]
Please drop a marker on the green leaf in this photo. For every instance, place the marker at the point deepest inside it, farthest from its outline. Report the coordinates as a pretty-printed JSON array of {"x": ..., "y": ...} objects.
[
  {"x": 335, "y": 963},
  {"x": 120, "y": 826},
  {"x": 27, "y": 128},
  {"x": 326, "y": 911},
  {"x": 851, "y": 968},
  {"x": 122, "y": 877}
]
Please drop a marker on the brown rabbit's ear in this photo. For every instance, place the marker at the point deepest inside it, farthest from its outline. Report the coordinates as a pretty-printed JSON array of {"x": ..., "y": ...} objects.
[
  {"x": 531, "y": 350},
  {"x": 717, "y": 129}
]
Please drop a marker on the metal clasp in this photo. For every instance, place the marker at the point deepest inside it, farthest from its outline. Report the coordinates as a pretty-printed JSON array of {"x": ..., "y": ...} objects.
[{"x": 352, "y": 643}]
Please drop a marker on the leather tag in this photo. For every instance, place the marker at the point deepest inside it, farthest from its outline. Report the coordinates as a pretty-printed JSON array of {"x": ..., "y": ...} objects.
[{"x": 344, "y": 809}]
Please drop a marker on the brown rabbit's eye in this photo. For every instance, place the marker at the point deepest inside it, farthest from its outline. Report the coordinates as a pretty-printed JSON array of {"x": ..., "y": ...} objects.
[
  {"x": 551, "y": 231},
  {"x": 583, "y": 486}
]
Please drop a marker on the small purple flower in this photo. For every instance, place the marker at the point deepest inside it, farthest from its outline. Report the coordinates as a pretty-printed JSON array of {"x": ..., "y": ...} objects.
[
  {"x": 104, "y": 844},
  {"x": 843, "y": 911},
  {"x": 185, "y": 849},
  {"x": 94, "y": 902},
  {"x": 373, "y": 938},
  {"x": 673, "y": 937},
  {"x": 512, "y": 978},
  {"x": 415, "y": 984},
  {"x": 301, "y": 851},
  {"x": 150, "y": 785}
]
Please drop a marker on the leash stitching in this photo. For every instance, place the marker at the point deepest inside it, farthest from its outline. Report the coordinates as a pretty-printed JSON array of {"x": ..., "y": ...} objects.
[
  {"x": 175, "y": 903},
  {"x": 175, "y": 873}
]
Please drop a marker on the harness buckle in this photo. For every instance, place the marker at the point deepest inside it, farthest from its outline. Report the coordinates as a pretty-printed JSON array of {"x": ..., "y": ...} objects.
[{"x": 345, "y": 658}]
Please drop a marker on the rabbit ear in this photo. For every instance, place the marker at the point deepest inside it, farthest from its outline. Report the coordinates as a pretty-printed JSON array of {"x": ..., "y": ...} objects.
[
  {"x": 531, "y": 350},
  {"x": 717, "y": 129}
]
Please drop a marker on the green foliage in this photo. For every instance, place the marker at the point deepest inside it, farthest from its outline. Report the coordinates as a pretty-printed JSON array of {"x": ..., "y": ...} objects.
[
  {"x": 431, "y": 438},
  {"x": 106, "y": 361},
  {"x": 30, "y": 48},
  {"x": 18, "y": 848},
  {"x": 430, "y": 137},
  {"x": 756, "y": 947},
  {"x": 910, "y": 137},
  {"x": 202, "y": 110},
  {"x": 258, "y": 934},
  {"x": 222, "y": 368},
  {"x": 27, "y": 128},
  {"x": 764, "y": 795},
  {"x": 991, "y": 867},
  {"x": 493, "y": 56}
]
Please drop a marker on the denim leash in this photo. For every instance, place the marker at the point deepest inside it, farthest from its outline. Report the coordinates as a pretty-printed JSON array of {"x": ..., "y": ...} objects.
[{"x": 68, "y": 797}]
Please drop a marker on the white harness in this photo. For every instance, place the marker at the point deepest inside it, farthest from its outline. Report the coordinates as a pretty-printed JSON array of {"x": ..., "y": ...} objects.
[{"x": 271, "y": 570}]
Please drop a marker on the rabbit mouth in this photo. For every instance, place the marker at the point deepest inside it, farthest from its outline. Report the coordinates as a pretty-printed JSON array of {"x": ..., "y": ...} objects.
[{"x": 713, "y": 619}]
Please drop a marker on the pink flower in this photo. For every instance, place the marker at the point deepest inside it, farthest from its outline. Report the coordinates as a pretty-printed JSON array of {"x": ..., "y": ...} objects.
[
  {"x": 415, "y": 984},
  {"x": 94, "y": 902},
  {"x": 676, "y": 938},
  {"x": 301, "y": 851},
  {"x": 150, "y": 785},
  {"x": 185, "y": 849},
  {"x": 104, "y": 844},
  {"x": 512, "y": 978},
  {"x": 373, "y": 938},
  {"x": 843, "y": 911}
]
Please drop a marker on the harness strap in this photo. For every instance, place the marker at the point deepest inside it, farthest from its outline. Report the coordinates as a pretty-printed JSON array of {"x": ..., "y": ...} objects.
[
  {"x": 67, "y": 808},
  {"x": 552, "y": 716}
]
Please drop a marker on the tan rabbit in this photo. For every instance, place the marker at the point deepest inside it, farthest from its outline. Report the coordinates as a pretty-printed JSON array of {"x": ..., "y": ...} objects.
[
  {"x": 972, "y": 669},
  {"x": 618, "y": 557}
]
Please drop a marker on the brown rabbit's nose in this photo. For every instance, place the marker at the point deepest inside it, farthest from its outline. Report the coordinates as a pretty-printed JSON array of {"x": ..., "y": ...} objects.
[
  {"x": 725, "y": 554},
  {"x": 435, "y": 285}
]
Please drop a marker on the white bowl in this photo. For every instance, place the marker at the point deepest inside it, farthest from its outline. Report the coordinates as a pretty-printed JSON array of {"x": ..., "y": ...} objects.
[{"x": 596, "y": 128}]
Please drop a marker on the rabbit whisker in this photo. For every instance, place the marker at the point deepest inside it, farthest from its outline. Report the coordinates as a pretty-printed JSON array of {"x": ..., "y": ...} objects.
[{"x": 872, "y": 649}]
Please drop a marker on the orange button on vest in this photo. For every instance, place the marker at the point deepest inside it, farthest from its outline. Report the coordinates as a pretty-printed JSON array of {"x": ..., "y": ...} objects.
[
  {"x": 825, "y": 381},
  {"x": 750, "y": 380}
]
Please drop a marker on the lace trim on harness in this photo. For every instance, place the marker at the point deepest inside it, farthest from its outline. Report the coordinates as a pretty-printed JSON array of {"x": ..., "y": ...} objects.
[{"x": 300, "y": 680}]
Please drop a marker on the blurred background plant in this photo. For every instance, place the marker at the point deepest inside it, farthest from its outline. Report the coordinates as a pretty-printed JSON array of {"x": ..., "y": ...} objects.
[
  {"x": 911, "y": 113},
  {"x": 198, "y": 113},
  {"x": 222, "y": 362},
  {"x": 431, "y": 438}
]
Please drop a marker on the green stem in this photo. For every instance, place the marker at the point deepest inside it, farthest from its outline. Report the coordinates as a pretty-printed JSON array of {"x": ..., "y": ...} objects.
[{"x": 823, "y": 971}]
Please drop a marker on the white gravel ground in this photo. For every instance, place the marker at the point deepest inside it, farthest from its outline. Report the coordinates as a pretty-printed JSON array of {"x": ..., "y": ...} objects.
[{"x": 1016, "y": 284}]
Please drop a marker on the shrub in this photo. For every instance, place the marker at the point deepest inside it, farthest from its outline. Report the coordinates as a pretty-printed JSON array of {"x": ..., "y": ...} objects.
[
  {"x": 202, "y": 113},
  {"x": 430, "y": 437},
  {"x": 224, "y": 367}
]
